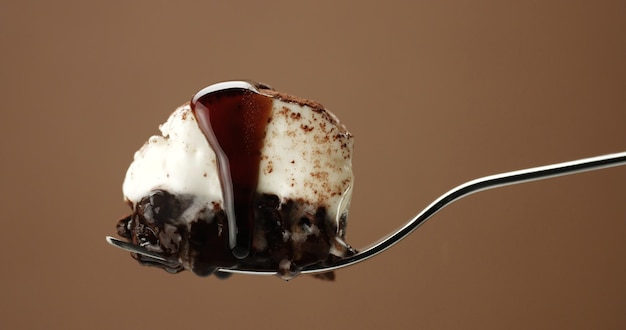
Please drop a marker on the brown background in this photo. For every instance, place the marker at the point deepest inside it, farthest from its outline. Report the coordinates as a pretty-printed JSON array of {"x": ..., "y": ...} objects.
[{"x": 436, "y": 94}]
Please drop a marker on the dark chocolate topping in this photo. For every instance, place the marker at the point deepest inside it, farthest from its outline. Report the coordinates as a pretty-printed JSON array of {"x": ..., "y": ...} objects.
[{"x": 234, "y": 122}]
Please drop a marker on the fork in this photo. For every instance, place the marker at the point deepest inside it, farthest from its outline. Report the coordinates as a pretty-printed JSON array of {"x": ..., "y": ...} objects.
[{"x": 463, "y": 190}]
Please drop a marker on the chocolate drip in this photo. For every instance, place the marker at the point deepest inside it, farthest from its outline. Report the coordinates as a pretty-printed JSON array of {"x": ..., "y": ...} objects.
[{"x": 234, "y": 122}]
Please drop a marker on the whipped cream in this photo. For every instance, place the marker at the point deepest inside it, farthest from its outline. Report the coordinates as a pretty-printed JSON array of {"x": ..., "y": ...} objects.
[
  {"x": 306, "y": 156},
  {"x": 179, "y": 161}
]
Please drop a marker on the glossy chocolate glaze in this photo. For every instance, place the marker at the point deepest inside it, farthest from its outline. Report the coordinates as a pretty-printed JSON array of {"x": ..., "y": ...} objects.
[{"x": 234, "y": 122}]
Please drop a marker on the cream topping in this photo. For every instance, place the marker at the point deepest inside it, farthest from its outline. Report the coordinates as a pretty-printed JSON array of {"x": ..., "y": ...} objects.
[
  {"x": 306, "y": 155},
  {"x": 179, "y": 161}
]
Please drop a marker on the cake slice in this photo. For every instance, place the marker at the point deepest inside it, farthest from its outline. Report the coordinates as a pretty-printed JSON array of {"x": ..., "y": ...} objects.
[{"x": 242, "y": 177}]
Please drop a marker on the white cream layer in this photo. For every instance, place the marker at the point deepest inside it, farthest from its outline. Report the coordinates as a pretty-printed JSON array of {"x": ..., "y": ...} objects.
[
  {"x": 308, "y": 156},
  {"x": 305, "y": 156},
  {"x": 179, "y": 161}
]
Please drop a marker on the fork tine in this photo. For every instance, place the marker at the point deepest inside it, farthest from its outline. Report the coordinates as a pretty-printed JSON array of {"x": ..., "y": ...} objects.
[{"x": 136, "y": 249}]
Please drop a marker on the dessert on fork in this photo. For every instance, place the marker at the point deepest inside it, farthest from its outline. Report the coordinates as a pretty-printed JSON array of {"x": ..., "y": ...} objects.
[{"x": 245, "y": 177}]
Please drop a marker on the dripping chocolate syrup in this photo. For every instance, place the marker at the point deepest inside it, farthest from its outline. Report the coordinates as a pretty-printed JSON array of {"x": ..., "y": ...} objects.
[{"x": 233, "y": 121}]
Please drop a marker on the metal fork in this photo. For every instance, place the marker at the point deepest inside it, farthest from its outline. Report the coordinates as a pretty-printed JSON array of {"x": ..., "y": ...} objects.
[{"x": 463, "y": 190}]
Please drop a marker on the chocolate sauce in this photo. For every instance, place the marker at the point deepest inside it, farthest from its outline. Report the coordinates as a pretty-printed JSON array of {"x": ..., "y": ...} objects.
[{"x": 234, "y": 121}]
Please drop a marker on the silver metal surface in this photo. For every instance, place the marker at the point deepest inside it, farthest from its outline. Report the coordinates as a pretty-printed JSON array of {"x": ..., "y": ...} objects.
[{"x": 463, "y": 190}]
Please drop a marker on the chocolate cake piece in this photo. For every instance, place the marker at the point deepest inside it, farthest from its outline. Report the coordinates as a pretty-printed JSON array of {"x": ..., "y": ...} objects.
[{"x": 242, "y": 177}]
